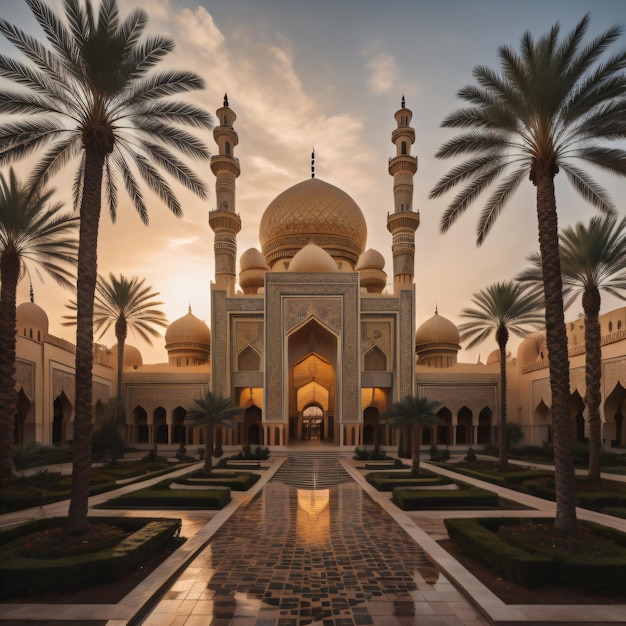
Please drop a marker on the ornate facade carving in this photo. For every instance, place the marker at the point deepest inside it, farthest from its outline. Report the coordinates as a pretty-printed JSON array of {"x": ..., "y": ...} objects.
[{"x": 25, "y": 378}]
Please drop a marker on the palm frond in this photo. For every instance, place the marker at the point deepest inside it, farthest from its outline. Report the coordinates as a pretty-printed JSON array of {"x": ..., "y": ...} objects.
[
  {"x": 176, "y": 168},
  {"x": 483, "y": 141},
  {"x": 177, "y": 138},
  {"x": 165, "y": 84},
  {"x": 588, "y": 188},
  {"x": 178, "y": 112},
  {"x": 497, "y": 201},
  {"x": 157, "y": 183}
]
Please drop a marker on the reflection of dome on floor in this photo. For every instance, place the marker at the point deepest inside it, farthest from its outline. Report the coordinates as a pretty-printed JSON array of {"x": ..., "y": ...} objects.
[{"x": 314, "y": 210}]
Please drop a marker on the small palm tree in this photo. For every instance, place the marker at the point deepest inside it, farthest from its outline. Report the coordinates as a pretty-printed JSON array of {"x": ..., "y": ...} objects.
[
  {"x": 124, "y": 303},
  {"x": 552, "y": 104},
  {"x": 593, "y": 259},
  {"x": 502, "y": 308},
  {"x": 413, "y": 413},
  {"x": 93, "y": 93},
  {"x": 210, "y": 411},
  {"x": 32, "y": 233}
]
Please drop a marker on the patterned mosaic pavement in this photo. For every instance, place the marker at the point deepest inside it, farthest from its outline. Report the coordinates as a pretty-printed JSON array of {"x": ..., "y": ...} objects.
[{"x": 294, "y": 556}]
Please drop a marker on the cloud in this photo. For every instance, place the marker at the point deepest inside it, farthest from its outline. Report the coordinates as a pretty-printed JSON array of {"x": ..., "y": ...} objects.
[{"x": 382, "y": 68}]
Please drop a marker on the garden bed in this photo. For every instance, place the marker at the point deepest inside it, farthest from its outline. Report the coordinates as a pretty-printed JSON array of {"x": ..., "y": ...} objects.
[{"x": 37, "y": 558}]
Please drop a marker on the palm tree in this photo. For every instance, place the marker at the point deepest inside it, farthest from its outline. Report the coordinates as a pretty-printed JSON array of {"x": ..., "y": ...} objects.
[
  {"x": 593, "y": 258},
  {"x": 124, "y": 303},
  {"x": 32, "y": 232},
  {"x": 502, "y": 308},
  {"x": 210, "y": 411},
  {"x": 92, "y": 93},
  {"x": 413, "y": 413},
  {"x": 553, "y": 103}
]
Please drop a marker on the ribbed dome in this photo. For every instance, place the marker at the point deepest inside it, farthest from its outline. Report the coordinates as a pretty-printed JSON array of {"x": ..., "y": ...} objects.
[
  {"x": 32, "y": 321},
  {"x": 371, "y": 259},
  {"x": 188, "y": 329},
  {"x": 188, "y": 341},
  {"x": 132, "y": 356},
  {"x": 312, "y": 258},
  {"x": 315, "y": 209},
  {"x": 437, "y": 329}
]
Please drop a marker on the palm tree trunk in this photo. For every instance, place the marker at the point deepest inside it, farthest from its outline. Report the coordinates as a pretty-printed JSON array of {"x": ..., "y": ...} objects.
[
  {"x": 9, "y": 274},
  {"x": 85, "y": 290},
  {"x": 121, "y": 332},
  {"x": 415, "y": 450},
  {"x": 208, "y": 448},
  {"x": 565, "y": 520},
  {"x": 502, "y": 337},
  {"x": 593, "y": 373}
]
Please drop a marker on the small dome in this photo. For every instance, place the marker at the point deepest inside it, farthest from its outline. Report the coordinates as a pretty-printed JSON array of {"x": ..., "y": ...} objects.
[
  {"x": 188, "y": 341},
  {"x": 437, "y": 342},
  {"x": 312, "y": 258},
  {"x": 371, "y": 259},
  {"x": 532, "y": 349},
  {"x": 437, "y": 329},
  {"x": 494, "y": 356},
  {"x": 132, "y": 356},
  {"x": 32, "y": 321},
  {"x": 252, "y": 268},
  {"x": 188, "y": 329},
  {"x": 252, "y": 259}
]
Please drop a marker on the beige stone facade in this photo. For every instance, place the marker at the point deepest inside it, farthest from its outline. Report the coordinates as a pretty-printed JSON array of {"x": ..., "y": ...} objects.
[{"x": 310, "y": 340}]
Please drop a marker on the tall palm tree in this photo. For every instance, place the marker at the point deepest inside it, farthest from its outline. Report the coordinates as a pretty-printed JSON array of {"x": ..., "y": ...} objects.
[
  {"x": 124, "y": 303},
  {"x": 210, "y": 411},
  {"x": 502, "y": 308},
  {"x": 593, "y": 259},
  {"x": 553, "y": 103},
  {"x": 413, "y": 413},
  {"x": 32, "y": 233},
  {"x": 92, "y": 93}
]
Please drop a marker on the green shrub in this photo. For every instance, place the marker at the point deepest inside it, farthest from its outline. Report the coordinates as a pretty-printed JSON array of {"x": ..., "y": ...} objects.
[
  {"x": 386, "y": 481},
  {"x": 464, "y": 497},
  {"x": 479, "y": 541},
  {"x": 28, "y": 576}
]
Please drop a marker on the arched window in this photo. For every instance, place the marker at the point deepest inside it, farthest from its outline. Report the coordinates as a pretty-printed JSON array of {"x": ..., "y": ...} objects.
[
  {"x": 403, "y": 149},
  {"x": 227, "y": 146}
]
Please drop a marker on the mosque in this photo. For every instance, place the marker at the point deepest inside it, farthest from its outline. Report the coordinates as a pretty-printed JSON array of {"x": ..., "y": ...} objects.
[{"x": 311, "y": 340}]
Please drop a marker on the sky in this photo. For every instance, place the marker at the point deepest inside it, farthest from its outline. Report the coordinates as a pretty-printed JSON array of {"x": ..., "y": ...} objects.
[{"x": 329, "y": 75}]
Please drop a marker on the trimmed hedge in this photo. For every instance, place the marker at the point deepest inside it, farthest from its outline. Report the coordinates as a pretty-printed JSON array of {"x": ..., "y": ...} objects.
[
  {"x": 477, "y": 538},
  {"x": 505, "y": 479},
  {"x": 386, "y": 481},
  {"x": 237, "y": 481},
  {"x": 20, "y": 575},
  {"x": 160, "y": 496},
  {"x": 464, "y": 497}
]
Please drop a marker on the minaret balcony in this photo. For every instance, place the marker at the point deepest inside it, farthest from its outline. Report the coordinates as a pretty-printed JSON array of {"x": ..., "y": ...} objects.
[
  {"x": 403, "y": 220},
  {"x": 402, "y": 163},
  {"x": 225, "y": 163},
  {"x": 226, "y": 131},
  {"x": 403, "y": 132},
  {"x": 223, "y": 219}
]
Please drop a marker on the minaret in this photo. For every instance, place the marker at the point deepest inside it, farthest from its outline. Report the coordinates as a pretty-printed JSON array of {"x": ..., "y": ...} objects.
[
  {"x": 223, "y": 219},
  {"x": 403, "y": 222}
]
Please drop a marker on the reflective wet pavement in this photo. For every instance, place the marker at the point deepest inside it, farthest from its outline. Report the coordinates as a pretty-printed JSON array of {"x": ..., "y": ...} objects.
[{"x": 295, "y": 556}]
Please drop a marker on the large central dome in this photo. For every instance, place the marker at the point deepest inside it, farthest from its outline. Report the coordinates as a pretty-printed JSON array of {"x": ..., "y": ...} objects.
[{"x": 312, "y": 211}]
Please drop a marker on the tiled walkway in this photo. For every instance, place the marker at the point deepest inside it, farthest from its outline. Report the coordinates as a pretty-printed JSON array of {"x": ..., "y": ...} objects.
[{"x": 295, "y": 556}]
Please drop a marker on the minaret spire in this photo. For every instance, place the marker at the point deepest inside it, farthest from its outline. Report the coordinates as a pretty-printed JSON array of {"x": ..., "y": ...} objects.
[
  {"x": 403, "y": 222},
  {"x": 313, "y": 163},
  {"x": 224, "y": 221}
]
